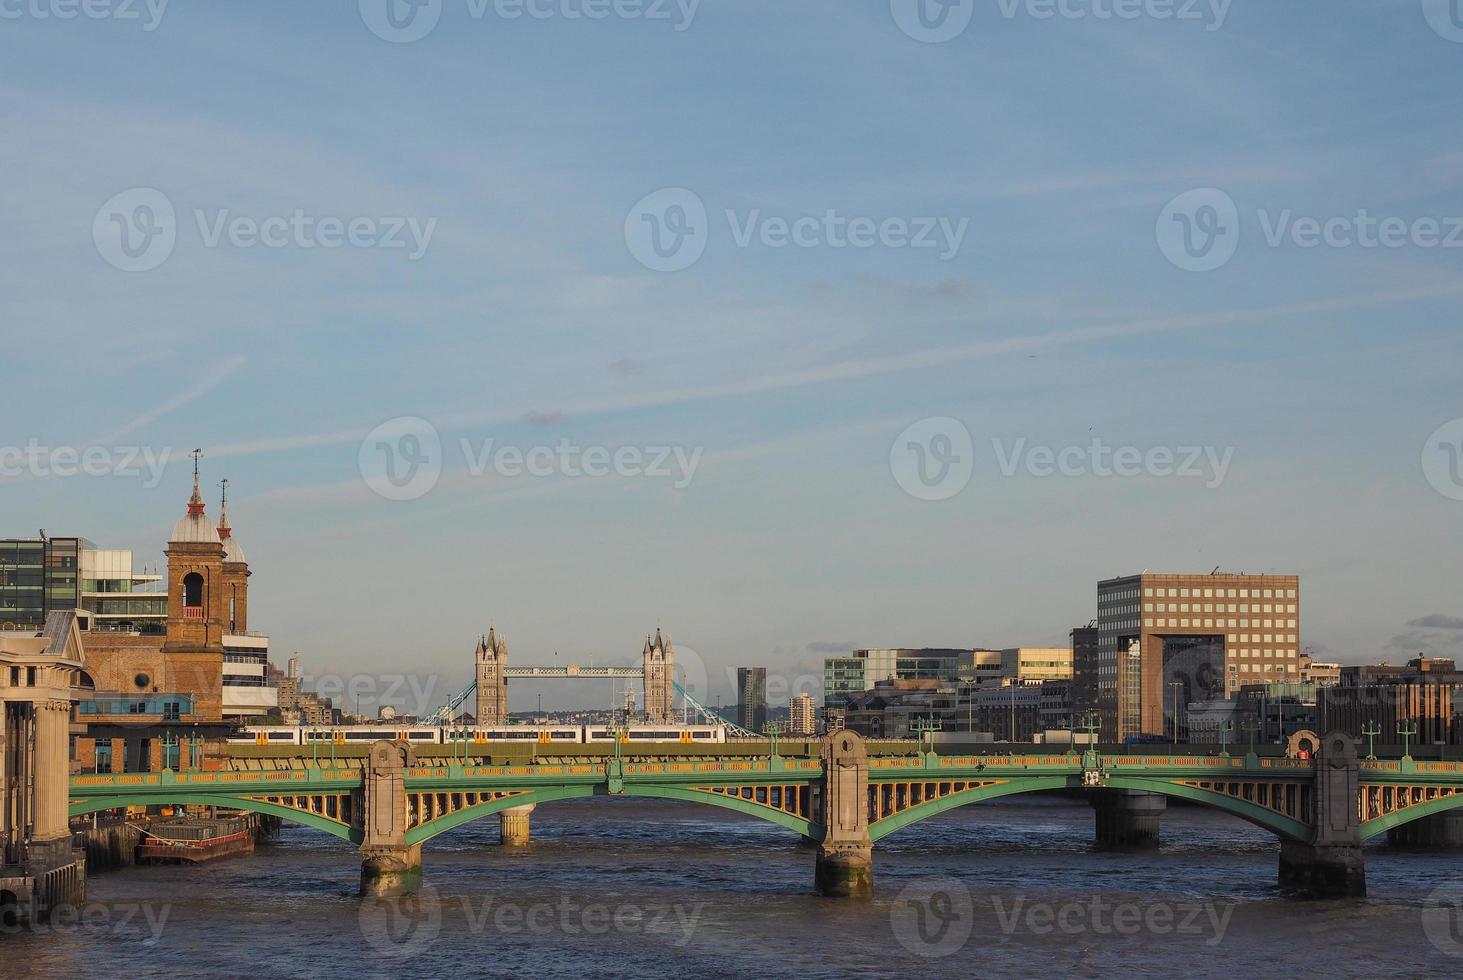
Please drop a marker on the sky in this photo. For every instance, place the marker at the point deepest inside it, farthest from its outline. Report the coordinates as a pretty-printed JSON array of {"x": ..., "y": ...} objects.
[{"x": 788, "y": 327}]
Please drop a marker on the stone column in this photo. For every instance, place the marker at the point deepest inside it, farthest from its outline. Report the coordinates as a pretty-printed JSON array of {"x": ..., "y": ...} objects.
[
  {"x": 388, "y": 865},
  {"x": 845, "y": 864},
  {"x": 119, "y": 755},
  {"x": 513, "y": 827},
  {"x": 1439, "y": 831},
  {"x": 1330, "y": 864},
  {"x": 1128, "y": 818},
  {"x": 52, "y": 771}
]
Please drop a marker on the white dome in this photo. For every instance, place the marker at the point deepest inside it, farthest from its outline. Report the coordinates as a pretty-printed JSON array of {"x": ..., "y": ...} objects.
[
  {"x": 194, "y": 529},
  {"x": 233, "y": 551}
]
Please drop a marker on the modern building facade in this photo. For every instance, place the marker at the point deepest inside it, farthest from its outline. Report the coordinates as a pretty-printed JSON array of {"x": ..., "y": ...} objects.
[
  {"x": 1167, "y": 640},
  {"x": 38, "y": 576},
  {"x": 752, "y": 698},
  {"x": 1085, "y": 669},
  {"x": 844, "y": 677}
]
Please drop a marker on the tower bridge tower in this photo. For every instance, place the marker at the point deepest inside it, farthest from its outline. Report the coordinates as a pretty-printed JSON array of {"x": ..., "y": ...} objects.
[
  {"x": 659, "y": 659},
  {"x": 492, "y": 679}
]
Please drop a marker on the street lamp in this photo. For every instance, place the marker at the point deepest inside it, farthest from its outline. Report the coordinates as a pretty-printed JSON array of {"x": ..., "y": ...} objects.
[{"x": 1176, "y": 685}]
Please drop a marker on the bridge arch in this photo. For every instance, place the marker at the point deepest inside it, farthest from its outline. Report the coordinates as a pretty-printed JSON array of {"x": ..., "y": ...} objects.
[
  {"x": 426, "y": 831},
  {"x": 1407, "y": 814},
  {"x": 174, "y": 797},
  {"x": 1278, "y": 824}
]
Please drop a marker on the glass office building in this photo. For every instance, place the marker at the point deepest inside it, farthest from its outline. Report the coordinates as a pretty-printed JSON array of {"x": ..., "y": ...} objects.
[{"x": 37, "y": 575}]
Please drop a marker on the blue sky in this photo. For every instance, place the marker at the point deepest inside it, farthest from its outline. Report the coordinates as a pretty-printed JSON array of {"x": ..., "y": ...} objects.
[{"x": 526, "y": 143}]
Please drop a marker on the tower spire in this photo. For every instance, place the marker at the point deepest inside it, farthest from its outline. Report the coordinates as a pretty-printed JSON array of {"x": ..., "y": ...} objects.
[
  {"x": 195, "y": 502},
  {"x": 223, "y": 508}
]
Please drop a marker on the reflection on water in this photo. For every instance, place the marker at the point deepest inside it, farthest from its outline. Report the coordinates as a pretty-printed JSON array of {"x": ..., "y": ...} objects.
[{"x": 639, "y": 888}]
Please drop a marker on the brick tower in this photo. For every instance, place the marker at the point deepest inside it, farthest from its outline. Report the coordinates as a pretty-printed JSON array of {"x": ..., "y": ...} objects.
[
  {"x": 196, "y": 611},
  {"x": 235, "y": 580}
]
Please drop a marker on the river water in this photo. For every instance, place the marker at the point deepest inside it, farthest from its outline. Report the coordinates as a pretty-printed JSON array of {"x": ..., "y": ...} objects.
[{"x": 645, "y": 888}]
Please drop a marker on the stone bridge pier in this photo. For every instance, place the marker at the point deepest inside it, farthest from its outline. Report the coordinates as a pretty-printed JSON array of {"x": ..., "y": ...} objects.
[
  {"x": 1330, "y": 864},
  {"x": 1128, "y": 818},
  {"x": 513, "y": 826},
  {"x": 845, "y": 864},
  {"x": 389, "y": 866}
]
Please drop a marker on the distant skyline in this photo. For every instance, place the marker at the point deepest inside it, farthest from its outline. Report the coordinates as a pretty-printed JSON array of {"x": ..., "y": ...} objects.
[{"x": 877, "y": 338}]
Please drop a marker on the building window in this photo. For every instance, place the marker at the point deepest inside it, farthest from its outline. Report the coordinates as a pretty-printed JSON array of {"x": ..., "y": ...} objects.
[{"x": 192, "y": 589}]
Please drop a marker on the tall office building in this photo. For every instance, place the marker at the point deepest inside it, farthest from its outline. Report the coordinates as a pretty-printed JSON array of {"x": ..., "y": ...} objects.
[
  {"x": 801, "y": 716},
  {"x": 1084, "y": 671},
  {"x": 752, "y": 698},
  {"x": 1165, "y": 641}
]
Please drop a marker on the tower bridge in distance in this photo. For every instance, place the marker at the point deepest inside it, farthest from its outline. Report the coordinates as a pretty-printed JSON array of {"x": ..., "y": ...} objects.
[{"x": 841, "y": 793}]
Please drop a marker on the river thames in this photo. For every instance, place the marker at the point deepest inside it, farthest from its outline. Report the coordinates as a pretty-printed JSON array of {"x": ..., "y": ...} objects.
[{"x": 638, "y": 888}]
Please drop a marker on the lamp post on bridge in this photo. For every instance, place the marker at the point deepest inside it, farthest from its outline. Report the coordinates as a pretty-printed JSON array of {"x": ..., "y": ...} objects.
[
  {"x": 1251, "y": 727},
  {"x": 1176, "y": 685},
  {"x": 1406, "y": 730},
  {"x": 774, "y": 730},
  {"x": 1225, "y": 730},
  {"x": 1371, "y": 731},
  {"x": 926, "y": 730}
]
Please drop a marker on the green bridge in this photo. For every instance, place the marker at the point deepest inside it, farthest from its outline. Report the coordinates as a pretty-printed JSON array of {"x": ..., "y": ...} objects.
[{"x": 841, "y": 793}]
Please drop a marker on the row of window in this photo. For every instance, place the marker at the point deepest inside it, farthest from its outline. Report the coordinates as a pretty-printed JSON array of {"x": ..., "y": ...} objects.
[
  {"x": 1185, "y": 593},
  {"x": 1217, "y": 624},
  {"x": 1209, "y": 607}
]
